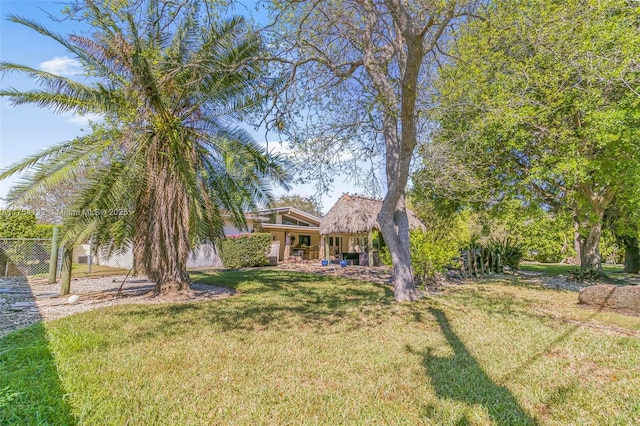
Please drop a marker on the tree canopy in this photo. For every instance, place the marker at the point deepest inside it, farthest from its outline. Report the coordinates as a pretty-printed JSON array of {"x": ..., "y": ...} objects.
[{"x": 542, "y": 98}]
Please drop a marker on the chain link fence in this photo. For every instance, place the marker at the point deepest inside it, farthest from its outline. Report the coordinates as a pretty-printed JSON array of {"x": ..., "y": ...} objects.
[{"x": 24, "y": 256}]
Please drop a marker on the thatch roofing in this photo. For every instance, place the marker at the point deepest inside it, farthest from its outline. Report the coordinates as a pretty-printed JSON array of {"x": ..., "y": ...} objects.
[{"x": 353, "y": 214}]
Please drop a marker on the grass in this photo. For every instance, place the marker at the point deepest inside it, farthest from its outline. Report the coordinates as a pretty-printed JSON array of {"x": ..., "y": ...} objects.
[
  {"x": 79, "y": 270},
  {"x": 554, "y": 269},
  {"x": 295, "y": 348}
]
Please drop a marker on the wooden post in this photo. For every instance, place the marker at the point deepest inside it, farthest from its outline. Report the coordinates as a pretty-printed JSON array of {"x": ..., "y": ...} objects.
[
  {"x": 287, "y": 245},
  {"x": 65, "y": 285},
  {"x": 323, "y": 248},
  {"x": 327, "y": 255},
  {"x": 370, "y": 248},
  {"x": 469, "y": 267},
  {"x": 475, "y": 262},
  {"x": 481, "y": 261},
  {"x": 53, "y": 257},
  {"x": 90, "y": 250}
]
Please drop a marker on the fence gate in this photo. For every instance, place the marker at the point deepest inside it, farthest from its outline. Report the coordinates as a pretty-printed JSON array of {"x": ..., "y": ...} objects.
[{"x": 24, "y": 256}]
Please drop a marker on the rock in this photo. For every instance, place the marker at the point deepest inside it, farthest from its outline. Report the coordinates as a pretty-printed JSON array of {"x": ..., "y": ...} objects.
[
  {"x": 611, "y": 296},
  {"x": 73, "y": 299}
]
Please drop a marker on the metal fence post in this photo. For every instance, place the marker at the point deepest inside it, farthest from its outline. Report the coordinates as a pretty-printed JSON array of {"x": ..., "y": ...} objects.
[{"x": 53, "y": 260}]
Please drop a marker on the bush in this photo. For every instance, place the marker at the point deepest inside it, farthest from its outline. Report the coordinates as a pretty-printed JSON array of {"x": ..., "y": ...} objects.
[
  {"x": 243, "y": 251},
  {"x": 431, "y": 253},
  {"x": 511, "y": 253},
  {"x": 22, "y": 224}
]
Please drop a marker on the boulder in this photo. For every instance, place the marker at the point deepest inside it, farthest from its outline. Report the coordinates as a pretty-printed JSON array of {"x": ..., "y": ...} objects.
[{"x": 611, "y": 296}]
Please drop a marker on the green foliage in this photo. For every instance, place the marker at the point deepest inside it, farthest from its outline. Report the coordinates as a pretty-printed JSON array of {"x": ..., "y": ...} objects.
[
  {"x": 168, "y": 163},
  {"x": 510, "y": 251},
  {"x": 244, "y": 251},
  {"x": 610, "y": 247},
  {"x": 431, "y": 256},
  {"x": 22, "y": 224},
  {"x": 586, "y": 274},
  {"x": 433, "y": 249},
  {"x": 543, "y": 100},
  {"x": 543, "y": 236}
]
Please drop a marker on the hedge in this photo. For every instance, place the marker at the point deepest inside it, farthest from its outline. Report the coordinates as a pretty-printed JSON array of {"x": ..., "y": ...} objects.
[
  {"x": 22, "y": 224},
  {"x": 243, "y": 251}
]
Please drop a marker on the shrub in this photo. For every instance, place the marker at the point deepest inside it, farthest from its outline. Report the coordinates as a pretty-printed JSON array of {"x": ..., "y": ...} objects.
[
  {"x": 511, "y": 253},
  {"x": 243, "y": 251},
  {"x": 22, "y": 224},
  {"x": 431, "y": 253}
]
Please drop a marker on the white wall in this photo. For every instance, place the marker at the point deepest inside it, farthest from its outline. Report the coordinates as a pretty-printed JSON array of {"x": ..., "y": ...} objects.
[{"x": 203, "y": 257}]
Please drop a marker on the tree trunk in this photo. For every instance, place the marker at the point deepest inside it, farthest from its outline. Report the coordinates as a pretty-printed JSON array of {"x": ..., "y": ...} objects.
[
  {"x": 163, "y": 229},
  {"x": 578, "y": 239},
  {"x": 631, "y": 255},
  {"x": 394, "y": 226},
  {"x": 590, "y": 248},
  {"x": 590, "y": 245}
]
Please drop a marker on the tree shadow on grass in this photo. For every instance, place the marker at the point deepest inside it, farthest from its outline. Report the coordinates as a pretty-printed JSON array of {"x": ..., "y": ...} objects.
[
  {"x": 460, "y": 377},
  {"x": 30, "y": 390},
  {"x": 265, "y": 300}
]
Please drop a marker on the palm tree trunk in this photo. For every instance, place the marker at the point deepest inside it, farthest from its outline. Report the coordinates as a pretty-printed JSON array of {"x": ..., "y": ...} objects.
[{"x": 164, "y": 230}]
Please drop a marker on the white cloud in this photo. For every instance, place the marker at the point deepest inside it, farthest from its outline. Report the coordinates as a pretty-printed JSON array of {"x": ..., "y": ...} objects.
[
  {"x": 276, "y": 147},
  {"x": 63, "y": 66},
  {"x": 84, "y": 119}
]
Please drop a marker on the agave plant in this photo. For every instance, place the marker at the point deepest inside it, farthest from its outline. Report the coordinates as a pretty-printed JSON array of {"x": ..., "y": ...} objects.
[
  {"x": 510, "y": 251},
  {"x": 167, "y": 163}
]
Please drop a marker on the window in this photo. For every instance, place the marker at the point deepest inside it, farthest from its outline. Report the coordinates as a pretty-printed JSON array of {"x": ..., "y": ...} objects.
[{"x": 305, "y": 240}]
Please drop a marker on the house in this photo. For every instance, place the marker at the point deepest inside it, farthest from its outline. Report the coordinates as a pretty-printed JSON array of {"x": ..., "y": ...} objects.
[
  {"x": 346, "y": 232},
  {"x": 296, "y": 231},
  {"x": 295, "y": 235}
]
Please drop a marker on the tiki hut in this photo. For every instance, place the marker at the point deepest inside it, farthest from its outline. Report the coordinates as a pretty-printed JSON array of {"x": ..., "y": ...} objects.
[{"x": 347, "y": 229}]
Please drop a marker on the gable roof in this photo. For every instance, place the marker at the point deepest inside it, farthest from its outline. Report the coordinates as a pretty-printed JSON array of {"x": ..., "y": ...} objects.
[
  {"x": 312, "y": 219},
  {"x": 353, "y": 214}
]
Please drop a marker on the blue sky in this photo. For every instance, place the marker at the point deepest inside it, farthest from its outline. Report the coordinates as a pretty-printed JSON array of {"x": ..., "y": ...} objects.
[{"x": 26, "y": 130}]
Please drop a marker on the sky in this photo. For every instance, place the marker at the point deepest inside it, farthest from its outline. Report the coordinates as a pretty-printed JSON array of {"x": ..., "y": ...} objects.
[{"x": 26, "y": 130}]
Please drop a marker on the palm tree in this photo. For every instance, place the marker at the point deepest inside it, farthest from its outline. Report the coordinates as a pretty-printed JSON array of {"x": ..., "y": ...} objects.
[{"x": 167, "y": 164}]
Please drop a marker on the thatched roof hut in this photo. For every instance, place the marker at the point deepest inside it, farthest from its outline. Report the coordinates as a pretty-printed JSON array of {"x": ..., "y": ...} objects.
[{"x": 353, "y": 214}]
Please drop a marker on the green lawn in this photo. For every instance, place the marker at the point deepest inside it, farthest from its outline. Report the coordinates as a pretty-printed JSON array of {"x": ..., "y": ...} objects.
[
  {"x": 79, "y": 270},
  {"x": 561, "y": 268},
  {"x": 294, "y": 348}
]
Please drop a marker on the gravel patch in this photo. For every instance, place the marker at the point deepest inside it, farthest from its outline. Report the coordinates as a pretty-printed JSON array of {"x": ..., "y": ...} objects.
[
  {"x": 17, "y": 306},
  {"x": 24, "y": 303},
  {"x": 559, "y": 282}
]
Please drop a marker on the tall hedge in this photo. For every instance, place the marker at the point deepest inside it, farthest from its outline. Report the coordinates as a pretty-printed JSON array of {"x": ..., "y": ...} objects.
[
  {"x": 243, "y": 251},
  {"x": 22, "y": 224}
]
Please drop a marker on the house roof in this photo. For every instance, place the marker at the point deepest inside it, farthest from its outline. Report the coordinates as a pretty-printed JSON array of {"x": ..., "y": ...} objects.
[
  {"x": 312, "y": 219},
  {"x": 353, "y": 214}
]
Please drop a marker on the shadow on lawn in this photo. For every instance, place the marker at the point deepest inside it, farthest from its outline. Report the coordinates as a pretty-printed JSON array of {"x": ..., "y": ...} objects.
[
  {"x": 30, "y": 390},
  {"x": 267, "y": 300},
  {"x": 460, "y": 377}
]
